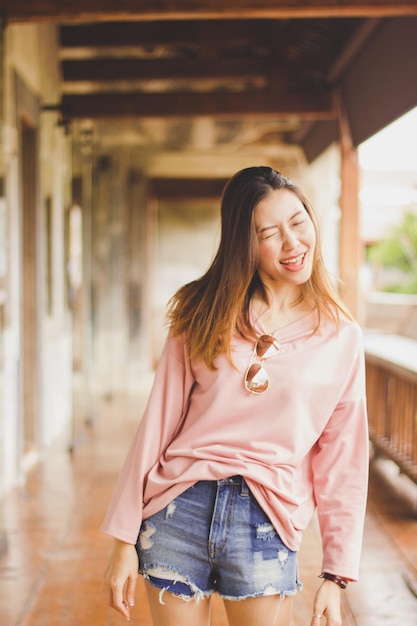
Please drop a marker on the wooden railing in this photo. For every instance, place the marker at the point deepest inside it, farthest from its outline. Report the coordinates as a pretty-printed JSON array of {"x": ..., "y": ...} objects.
[{"x": 392, "y": 411}]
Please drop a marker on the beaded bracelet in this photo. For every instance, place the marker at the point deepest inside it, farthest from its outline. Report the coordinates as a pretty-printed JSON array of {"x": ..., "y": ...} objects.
[{"x": 335, "y": 579}]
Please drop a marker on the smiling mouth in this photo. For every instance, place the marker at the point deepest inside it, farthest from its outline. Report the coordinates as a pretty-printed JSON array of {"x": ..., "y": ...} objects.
[{"x": 295, "y": 260}]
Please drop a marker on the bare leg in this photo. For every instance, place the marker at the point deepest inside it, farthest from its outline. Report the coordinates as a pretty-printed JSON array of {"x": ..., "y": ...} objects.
[
  {"x": 264, "y": 611},
  {"x": 175, "y": 611}
]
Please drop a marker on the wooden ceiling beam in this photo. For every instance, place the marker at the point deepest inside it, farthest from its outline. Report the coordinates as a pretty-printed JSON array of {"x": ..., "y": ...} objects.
[
  {"x": 304, "y": 106},
  {"x": 104, "y": 69},
  {"x": 174, "y": 32},
  {"x": 97, "y": 10}
]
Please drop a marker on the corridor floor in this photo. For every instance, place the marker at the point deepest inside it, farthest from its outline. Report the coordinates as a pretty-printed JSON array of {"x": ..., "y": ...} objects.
[{"x": 51, "y": 572}]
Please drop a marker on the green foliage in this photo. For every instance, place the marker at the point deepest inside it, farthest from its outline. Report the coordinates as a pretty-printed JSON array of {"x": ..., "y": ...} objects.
[
  {"x": 409, "y": 288},
  {"x": 399, "y": 250}
]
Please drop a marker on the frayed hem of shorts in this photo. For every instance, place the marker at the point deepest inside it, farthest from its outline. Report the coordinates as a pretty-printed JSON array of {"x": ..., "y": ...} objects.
[
  {"x": 196, "y": 593},
  {"x": 268, "y": 591}
]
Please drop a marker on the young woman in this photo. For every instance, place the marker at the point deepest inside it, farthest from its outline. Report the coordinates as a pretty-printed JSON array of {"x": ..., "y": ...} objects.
[{"x": 256, "y": 418}]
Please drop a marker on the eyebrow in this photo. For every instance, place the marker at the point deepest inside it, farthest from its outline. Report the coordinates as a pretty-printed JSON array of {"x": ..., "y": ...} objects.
[{"x": 262, "y": 230}]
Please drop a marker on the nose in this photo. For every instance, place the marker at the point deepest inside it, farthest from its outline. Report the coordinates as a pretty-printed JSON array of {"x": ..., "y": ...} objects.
[{"x": 289, "y": 240}]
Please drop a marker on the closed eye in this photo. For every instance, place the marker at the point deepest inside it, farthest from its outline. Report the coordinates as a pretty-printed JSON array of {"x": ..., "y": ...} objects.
[{"x": 267, "y": 235}]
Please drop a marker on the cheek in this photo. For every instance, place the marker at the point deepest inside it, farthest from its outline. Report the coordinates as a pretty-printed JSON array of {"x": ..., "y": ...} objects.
[
  {"x": 267, "y": 255},
  {"x": 313, "y": 238},
  {"x": 309, "y": 236}
]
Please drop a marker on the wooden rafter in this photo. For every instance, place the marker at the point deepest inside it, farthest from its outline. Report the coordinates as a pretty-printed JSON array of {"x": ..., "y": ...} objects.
[
  {"x": 131, "y": 33},
  {"x": 95, "y": 10},
  {"x": 216, "y": 105},
  {"x": 104, "y": 69}
]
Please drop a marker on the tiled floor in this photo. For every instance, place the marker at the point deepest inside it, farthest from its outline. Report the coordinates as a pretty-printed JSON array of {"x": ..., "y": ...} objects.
[{"x": 51, "y": 574}]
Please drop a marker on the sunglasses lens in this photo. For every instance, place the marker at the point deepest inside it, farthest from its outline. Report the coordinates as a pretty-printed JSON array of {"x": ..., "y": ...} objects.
[
  {"x": 256, "y": 379},
  {"x": 266, "y": 346}
]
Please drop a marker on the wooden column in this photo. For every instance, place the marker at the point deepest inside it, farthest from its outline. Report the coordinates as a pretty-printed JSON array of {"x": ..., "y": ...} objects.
[{"x": 349, "y": 237}]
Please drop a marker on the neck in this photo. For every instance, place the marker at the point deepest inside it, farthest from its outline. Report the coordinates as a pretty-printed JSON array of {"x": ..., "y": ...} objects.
[{"x": 282, "y": 309}]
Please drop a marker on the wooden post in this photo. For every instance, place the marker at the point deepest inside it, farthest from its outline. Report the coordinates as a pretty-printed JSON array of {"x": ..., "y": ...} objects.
[{"x": 349, "y": 237}]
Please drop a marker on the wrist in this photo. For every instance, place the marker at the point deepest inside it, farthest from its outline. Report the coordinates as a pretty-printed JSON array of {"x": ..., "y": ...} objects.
[{"x": 338, "y": 580}]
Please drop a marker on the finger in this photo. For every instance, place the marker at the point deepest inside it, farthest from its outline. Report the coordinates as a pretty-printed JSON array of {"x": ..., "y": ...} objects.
[
  {"x": 130, "y": 590},
  {"x": 116, "y": 600},
  {"x": 318, "y": 619}
]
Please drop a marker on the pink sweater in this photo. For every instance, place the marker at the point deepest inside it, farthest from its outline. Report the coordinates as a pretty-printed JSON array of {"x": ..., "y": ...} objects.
[{"x": 300, "y": 445}]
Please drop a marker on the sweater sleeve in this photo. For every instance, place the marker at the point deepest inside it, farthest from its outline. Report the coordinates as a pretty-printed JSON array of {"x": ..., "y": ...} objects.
[
  {"x": 166, "y": 407},
  {"x": 340, "y": 475}
]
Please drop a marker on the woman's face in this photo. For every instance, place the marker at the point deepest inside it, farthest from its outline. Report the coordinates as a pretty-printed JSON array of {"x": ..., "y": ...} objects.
[{"x": 287, "y": 239}]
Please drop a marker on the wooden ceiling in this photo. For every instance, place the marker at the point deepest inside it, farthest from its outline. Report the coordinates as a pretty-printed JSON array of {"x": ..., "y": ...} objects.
[
  {"x": 109, "y": 10},
  {"x": 260, "y": 71},
  {"x": 221, "y": 68}
]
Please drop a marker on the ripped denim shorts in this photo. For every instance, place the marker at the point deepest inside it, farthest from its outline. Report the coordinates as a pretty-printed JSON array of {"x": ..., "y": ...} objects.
[{"x": 214, "y": 537}]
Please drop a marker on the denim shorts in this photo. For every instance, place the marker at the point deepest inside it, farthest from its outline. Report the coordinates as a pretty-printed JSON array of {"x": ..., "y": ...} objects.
[{"x": 214, "y": 537}]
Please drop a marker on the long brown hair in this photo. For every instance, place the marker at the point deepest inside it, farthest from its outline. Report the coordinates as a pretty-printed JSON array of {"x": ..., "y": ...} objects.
[{"x": 208, "y": 311}]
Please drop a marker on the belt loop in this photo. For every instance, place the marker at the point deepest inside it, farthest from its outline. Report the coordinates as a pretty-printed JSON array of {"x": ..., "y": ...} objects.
[{"x": 244, "y": 489}]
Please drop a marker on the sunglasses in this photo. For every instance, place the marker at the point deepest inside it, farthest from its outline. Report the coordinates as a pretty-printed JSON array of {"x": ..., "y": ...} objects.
[{"x": 256, "y": 377}]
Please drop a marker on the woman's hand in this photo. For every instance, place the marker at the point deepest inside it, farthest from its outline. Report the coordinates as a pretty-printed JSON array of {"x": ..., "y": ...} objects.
[
  {"x": 326, "y": 609},
  {"x": 120, "y": 577}
]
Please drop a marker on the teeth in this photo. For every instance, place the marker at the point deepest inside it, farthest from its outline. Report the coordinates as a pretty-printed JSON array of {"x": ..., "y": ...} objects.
[{"x": 297, "y": 259}]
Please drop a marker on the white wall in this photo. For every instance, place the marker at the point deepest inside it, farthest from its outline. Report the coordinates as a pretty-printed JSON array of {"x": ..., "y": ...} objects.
[
  {"x": 31, "y": 51},
  {"x": 187, "y": 240},
  {"x": 322, "y": 186}
]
